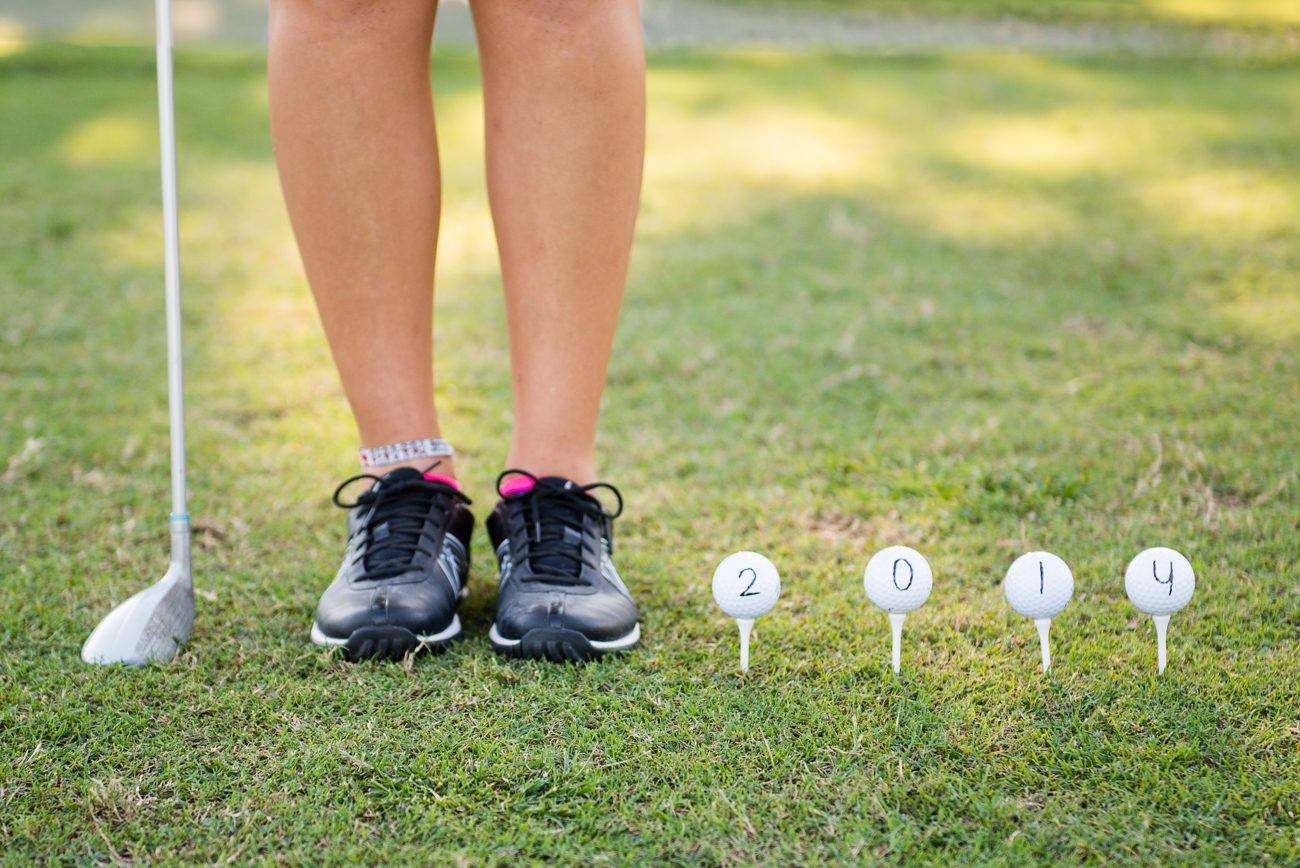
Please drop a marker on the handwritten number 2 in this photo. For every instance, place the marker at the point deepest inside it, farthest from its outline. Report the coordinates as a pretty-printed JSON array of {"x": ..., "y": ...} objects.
[
  {"x": 753, "y": 577},
  {"x": 1155, "y": 573},
  {"x": 911, "y": 574}
]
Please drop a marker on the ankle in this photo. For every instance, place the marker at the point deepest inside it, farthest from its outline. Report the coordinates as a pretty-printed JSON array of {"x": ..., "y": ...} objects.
[
  {"x": 443, "y": 472},
  {"x": 429, "y": 455},
  {"x": 431, "y": 467}
]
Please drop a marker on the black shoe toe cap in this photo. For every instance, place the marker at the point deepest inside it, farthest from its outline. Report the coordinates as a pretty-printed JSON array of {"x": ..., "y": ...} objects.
[
  {"x": 599, "y": 617},
  {"x": 421, "y": 607}
]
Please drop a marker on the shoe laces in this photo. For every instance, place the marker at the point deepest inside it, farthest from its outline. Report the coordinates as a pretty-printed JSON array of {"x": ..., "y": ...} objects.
[
  {"x": 556, "y": 513},
  {"x": 395, "y": 525}
]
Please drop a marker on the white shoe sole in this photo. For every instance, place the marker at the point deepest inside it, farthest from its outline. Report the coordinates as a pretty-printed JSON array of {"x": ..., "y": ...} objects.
[
  {"x": 619, "y": 644},
  {"x": 451, "y": 632}
]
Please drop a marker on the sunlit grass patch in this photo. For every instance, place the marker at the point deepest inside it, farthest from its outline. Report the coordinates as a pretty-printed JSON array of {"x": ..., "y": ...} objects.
[
  {"x": 1229, "y": 13},
  {"x": 1213, "y": 203},
  {"x": 111, "y": 139},
  {"x": 1053, "y": 146},
  {"x": 1263, "y": 299},
  {"x": 13, "y": 36}
]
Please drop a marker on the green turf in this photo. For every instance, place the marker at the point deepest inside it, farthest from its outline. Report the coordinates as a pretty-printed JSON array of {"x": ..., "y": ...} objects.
[
  {"x": 1252, "y": 14},
  {"x": 971, "y": 304}
]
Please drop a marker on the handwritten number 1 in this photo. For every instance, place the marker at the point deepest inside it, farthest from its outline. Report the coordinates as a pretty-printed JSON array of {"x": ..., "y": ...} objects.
[
  {"x": 1040, "y": 578},
  {"x": 1155, "y": 573},
  {"x": 753, "y": 578}
]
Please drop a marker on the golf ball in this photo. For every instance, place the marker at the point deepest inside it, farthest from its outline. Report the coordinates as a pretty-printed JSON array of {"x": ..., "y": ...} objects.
[
  {"x": 898, "y": 579},
  {"x": 746, "y": 585},
  {"x": 1159, "y": 581},
  {"x": 1038, "y": 585}
]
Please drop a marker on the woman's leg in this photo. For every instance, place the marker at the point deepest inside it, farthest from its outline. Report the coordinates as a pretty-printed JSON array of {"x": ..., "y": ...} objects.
[
  {"x": 352, "y": 123},
  {"x": 564, "y": 85}
]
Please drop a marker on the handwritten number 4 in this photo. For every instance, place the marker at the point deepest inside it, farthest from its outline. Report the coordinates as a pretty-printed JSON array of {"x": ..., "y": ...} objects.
[
  {"x": 1155, "y": 574},
  {"x": 753, "y": 578}
]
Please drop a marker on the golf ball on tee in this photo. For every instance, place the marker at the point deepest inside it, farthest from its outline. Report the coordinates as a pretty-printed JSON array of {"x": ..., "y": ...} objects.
[
  {"x": 746, "y": 585},
  {"x": 898, "y": 579},
  {"x": 1038, "y": 585},
  {"x": 1159, "y": 581}
]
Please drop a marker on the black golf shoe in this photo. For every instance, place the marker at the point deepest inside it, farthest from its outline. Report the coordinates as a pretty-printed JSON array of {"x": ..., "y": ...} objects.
[
  {"x": 561, "y": 597},
  {"x": 404, "y": 571}
]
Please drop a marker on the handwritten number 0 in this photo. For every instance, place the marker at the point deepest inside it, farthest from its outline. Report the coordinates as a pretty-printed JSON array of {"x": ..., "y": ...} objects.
[
  {"x": 911, "y": 574},
  {"x": 753, "y": 578}
]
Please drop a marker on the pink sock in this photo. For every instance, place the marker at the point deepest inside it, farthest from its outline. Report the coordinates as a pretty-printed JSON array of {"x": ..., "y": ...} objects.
[
  {"x": 517, "y": 485},
  {"x": 446, "y": 480}
]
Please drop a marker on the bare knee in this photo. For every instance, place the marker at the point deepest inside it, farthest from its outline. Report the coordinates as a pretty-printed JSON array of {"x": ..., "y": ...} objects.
[
  {"x": 559, "y": 20},
  {"x": 350, "y": 18}
]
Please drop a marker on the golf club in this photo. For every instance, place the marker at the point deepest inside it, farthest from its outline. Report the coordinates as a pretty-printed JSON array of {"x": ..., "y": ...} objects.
[{"x": 151, "y": 624}]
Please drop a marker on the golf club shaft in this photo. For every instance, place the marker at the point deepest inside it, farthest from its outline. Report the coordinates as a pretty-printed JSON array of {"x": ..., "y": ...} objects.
[{"x": 180, "y": 520}]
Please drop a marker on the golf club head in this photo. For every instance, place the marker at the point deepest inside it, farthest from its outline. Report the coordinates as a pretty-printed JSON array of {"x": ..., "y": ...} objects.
[{"x": 149, "y": 626}]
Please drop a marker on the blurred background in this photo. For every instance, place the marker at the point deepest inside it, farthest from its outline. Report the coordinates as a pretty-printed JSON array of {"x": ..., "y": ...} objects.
[{"x": 910, "y": 24}]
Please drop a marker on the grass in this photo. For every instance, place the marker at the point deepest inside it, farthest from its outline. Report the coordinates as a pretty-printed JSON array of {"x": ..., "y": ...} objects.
[
  {"x": 973, "y": 304},
  {"x": 1252, "y": 14}
]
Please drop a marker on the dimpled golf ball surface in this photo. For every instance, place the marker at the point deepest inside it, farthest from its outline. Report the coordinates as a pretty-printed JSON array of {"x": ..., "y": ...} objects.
[
  {"x": 898, "y": 579},
  {"x": 746, "y": 585},
  {"x": 1159, "y": 581},
  {"x": 1038, "y": 585}
]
